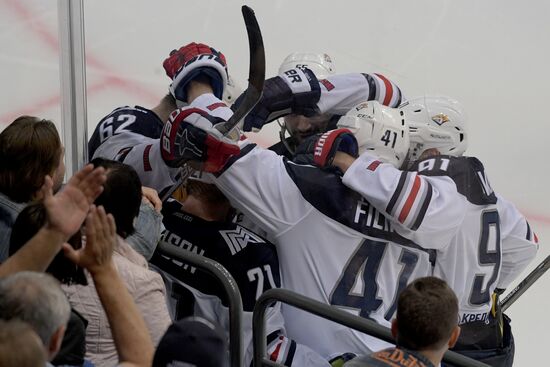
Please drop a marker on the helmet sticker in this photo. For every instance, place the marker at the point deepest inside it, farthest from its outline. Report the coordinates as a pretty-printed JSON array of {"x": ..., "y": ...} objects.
[{"x": 440, "y": 119}]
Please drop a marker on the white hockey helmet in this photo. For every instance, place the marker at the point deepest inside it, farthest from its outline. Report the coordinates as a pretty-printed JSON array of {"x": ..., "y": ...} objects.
[
  {"x": 232, "y": 91},
  {"x": 380, "y": 129},
  {"x": 436, "y": 122},
  {"x": 320, "y": 64}
]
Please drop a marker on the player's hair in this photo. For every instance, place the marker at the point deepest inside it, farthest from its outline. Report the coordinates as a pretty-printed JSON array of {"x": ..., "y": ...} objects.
[
  {"x": 27, "y": 224},
  {"x": 30, "y": 149},
  {"x": 20, "y": 345},
  {"x": 35, "y": 298},
  {"x": 121, "y": 194},
  {"x": 427, "y": 313}
]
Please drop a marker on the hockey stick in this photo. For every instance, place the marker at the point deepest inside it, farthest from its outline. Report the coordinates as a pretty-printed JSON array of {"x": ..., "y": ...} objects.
[
  {"x": 525, "y": 284},
  {"x": 253, "y": 93}
]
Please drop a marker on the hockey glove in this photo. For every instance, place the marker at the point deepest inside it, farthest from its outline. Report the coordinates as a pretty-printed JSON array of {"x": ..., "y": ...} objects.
[
  {"x": 294, "y": 91},
  {"x": 320, "y": 149},
  {"x": 194, "y": 60},
  {"x": 190, "y": 136}
]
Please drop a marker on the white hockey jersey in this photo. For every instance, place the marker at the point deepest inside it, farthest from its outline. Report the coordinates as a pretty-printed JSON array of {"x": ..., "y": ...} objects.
[
  {"x": 446, "y": 203},
  {"x": 333, "y": 246},
  {"x": 131, "y": 135}
]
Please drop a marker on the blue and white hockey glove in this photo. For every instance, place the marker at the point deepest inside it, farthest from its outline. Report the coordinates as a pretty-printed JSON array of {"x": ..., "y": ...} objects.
[
  {"x": 189, "y": 136},
  {"x": 319, "y": 150},
  {"x": 191, "y": 61},
  {"x": 294, "y": 91}
]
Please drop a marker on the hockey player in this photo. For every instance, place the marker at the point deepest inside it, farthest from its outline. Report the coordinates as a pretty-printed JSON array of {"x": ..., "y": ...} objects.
[
  {"x": 334, "y": 248},
  {"x": 202, "y": 224},
  {"x": 299, "y": 126},
  {"x": 131, "y": 134},
  {"x": 445, "y": 202}
]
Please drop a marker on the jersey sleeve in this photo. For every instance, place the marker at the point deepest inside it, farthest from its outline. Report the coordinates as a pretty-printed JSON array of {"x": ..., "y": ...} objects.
[
  {"x": 146, "y": 159},
  {"x": 422, "y": 209},
  {"x": 519, "y": 242},
  {"x": 339, "y": 93}
]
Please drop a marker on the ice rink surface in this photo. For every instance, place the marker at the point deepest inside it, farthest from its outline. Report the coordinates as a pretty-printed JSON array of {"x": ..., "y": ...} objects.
[{"x": 490, "y": 55}]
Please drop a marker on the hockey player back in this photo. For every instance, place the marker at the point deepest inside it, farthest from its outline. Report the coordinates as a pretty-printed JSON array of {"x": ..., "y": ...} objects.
[
  {"x": 445, "y": 202},
  {"x": 131, "y": 134}
]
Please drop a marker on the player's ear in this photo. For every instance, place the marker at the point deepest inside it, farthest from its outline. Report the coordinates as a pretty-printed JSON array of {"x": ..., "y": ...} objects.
[
  {"x": 454, "y": 336},
  {"x": 394, "y": 328}
]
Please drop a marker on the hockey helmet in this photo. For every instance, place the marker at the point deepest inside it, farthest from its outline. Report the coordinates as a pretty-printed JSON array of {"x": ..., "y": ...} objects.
[
  {"x": 320, "y": 64},
  {"x": 380, "y": 129},
  {"x": 435, "y": 122}
]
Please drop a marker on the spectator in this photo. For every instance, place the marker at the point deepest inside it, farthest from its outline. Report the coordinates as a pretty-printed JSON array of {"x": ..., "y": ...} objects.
[
  {"x": 37, "y": 299},
  {"x": 18, "y": 335},
  {"x": 426, "y": 326},
  {"x": 66, "y": 210},
  {"x": 132, "y": 341},
  {"x": 28, "y": 223},
  {"x": 121, "y": 197},
  {"x": 130, "y": 334},
  {"x": 30, "y": 149},
  {"x": 192, "y": 341},
  {"x": 31, "y": 219}
]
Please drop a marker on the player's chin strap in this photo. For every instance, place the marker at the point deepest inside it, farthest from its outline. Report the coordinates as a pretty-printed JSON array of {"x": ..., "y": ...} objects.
[{"x": 256, "y": 78}]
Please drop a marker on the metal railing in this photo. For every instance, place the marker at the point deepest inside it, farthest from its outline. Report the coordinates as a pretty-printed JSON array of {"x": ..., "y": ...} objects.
[
  {"x": 330, "y": 313},
  {"x": 231, "y": 290}
]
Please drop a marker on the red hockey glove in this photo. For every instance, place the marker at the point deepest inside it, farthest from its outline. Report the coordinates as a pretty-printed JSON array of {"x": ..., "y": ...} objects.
[
  {"x": 294, "y": 91},
  {"x": 320, "y": 149},
  {"x": 191, "y": 61},
  {"x": 189, "y": 136}
]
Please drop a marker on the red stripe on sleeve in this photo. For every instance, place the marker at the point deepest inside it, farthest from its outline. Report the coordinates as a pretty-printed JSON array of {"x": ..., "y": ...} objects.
[
  {"x": 213, "y": 106},
  {"x": 275, "y": 353},
  {"x": 389, "y": 89},
  {"x": 410, "y": 200},
  {"x": 146, "y": 162}
]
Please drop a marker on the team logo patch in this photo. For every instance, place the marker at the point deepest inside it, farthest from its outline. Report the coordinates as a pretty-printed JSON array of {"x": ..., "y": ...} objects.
[
  {"x": 440, "y": 119},
  {"x": 238, "y": 238}
]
